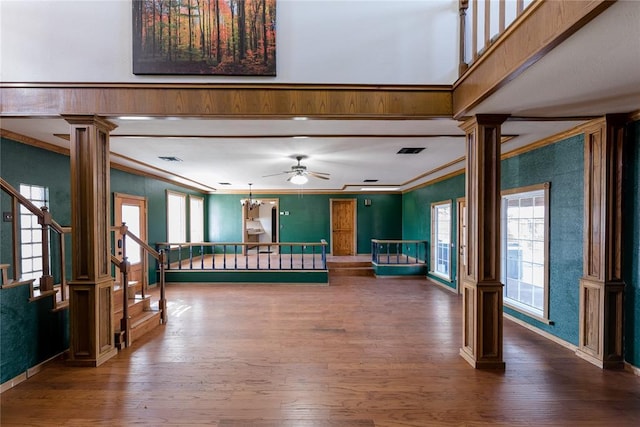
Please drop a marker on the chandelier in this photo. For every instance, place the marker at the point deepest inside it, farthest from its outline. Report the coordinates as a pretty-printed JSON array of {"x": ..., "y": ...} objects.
[{"x": 250, "y": 202}]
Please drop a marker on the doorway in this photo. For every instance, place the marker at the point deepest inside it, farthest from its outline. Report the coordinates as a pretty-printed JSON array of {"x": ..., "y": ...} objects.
[
  {"x": 343, "y": 227},
  {"x": 261, "y": 224},
  {"x": 462, "y": 241},
  {"x": 132, "y": 210}
]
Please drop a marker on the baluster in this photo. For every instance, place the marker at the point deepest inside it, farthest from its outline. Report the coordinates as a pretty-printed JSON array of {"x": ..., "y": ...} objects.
[
  {"x": 224, "y": 257},
  {"x": 269, "y": 257},
  {"x": 258, "y": 256},
  {"x": 201, "y": 256},
  {"x": 213, "y": 256},
  {"x": 291, "y": 257},
  {"x": 302, "y": 251},
  {"x": 313, "y": 257},
  {"x": 180, "y": 257},
  {"x": 388, "y": 254}
]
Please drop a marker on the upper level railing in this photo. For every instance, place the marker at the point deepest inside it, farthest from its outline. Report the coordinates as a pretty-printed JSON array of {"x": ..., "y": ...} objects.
[
  {"x": 482, "y": 22},
  {"x": 398, "y": 251},
  {"x": 237, "y": 256},
  {"x": 52, "y": 237}
]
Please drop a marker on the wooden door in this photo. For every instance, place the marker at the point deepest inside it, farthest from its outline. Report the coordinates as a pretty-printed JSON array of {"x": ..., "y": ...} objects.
[
  {"x": 462, "y": 241},
  {"x": 132, "y": 210},
  {"x": 343, "y": 226}
]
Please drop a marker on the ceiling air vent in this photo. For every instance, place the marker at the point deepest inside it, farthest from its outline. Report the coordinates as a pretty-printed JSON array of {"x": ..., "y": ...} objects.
[
  {"x": 410, "y": 150},
  {"x": 170, "y": 158},
  {"x": 370, "y": 180},
  {"x": 224, "y": 183}
]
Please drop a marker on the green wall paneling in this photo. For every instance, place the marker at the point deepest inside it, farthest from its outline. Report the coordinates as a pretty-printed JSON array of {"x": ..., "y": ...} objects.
[
  {"x": 31, "y": 333},
  {"x": 155, "y": 192},
  {"x": 416, "y": 217},
  {"x": 308, "y": 218},
  {"x": 561, "y": 164},
  {"x": 631, "y": 252}
]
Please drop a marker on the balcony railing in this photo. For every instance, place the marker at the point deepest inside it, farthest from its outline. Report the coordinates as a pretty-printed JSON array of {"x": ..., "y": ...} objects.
[
  {"x": 398, "y": 252},
  {"x": 237, "y": 256},
  {"x": 482, "y": 22}
]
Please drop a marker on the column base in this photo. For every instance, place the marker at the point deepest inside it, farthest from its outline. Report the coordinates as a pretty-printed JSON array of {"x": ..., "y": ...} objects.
[{"x": 498, "y": 365}]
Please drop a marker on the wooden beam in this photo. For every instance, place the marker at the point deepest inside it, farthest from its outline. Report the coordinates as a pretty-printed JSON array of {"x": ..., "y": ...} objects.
[{"x": 229, "y": 101}]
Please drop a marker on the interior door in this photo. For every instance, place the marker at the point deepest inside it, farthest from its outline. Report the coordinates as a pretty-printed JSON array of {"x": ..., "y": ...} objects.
[
  {"x": 343, "y": 227},
  {"x": 132, "y": 210},
  {"x": 462, "y": 241}
]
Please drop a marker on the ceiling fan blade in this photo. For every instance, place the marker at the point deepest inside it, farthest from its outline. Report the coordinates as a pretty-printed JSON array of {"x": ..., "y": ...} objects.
[
  {"x": 275, "y": 174},
  {"x": 319, "y": 173},
  {"x": 315, "y": 175}
]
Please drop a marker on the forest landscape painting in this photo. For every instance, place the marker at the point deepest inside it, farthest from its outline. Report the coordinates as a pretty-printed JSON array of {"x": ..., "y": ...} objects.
[{"x": 204, "y": 37}]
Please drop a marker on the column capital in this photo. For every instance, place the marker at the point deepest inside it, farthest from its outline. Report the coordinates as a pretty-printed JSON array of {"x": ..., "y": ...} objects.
[
  {"x": 89, "y": 120},
  {"x": 483, "y": 120}
]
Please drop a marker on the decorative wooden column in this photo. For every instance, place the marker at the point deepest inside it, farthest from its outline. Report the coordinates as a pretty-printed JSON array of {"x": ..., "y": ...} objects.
[
  {"x": 602, "y": 287},
  {"x": 481, "y": 286},
  {"x": 91, "y": 287}
]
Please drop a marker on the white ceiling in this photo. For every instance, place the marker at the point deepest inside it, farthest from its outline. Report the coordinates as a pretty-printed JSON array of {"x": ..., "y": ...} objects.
[{"x": 594, "y": 72}]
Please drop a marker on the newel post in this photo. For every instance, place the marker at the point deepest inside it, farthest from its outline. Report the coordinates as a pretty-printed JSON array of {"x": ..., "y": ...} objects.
[{"x": 91, "y": 338}]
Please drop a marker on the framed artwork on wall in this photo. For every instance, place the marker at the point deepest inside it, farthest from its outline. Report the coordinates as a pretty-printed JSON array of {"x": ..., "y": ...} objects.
[{"x": 204, "y": 37}]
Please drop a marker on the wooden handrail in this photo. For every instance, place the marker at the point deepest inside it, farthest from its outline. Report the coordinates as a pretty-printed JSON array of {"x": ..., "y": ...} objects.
[
  {"x": 30, "y": 206},
  {"x": 188, "y": 244}
]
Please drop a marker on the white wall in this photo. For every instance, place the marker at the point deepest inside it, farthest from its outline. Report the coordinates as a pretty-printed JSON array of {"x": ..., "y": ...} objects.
[{"x": 318, "y": 41}]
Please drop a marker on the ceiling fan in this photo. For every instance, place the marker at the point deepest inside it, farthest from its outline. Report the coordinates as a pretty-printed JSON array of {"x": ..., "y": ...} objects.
[{"x": 299, "y": 173}]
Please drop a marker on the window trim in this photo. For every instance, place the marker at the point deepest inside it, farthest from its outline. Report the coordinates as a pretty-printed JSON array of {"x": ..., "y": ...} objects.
[
  {"x": 508, "y": 302},
  {"x": 183, "y": 196},
  {"x": 45, "y": 201},
  {"x": 192, "y": 199},
  {"x": 432, "y": 271}
]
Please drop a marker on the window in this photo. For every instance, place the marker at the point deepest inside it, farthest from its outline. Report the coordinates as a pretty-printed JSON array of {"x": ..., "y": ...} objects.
[
  {"x": 524, "y": 248},
  {"x": 176, "y": 217},
  {"x": 441, "y": 239},
  {"x": 196, "y": 218},
  {"x": 31, "y": 232}
]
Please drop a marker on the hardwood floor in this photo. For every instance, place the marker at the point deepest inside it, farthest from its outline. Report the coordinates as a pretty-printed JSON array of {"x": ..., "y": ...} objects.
[{"x": 361, "y": 352}]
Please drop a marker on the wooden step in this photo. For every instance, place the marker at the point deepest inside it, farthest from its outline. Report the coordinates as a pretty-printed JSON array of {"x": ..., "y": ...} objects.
[
  {"x": 132, "y": 289},
  {"x": 350, "y": 268},
  {"x": 144, "y": 323},
  {"x": 136, "y": 306}
]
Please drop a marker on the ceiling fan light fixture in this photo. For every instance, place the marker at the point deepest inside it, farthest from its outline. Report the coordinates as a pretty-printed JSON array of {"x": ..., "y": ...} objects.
[{"x": 299, "y": 179}]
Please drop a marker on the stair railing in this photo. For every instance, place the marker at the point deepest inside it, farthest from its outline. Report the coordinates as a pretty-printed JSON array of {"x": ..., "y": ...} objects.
[
  {"x": 47, "y": 282},
  {"x": 124, "y": 267}
]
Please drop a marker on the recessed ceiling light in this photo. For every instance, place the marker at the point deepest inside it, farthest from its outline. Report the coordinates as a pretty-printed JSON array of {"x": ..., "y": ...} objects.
[
  {"x": 300, "y": 118},
  {"x": 300, "y": 137},
  {"x": 410, "y": 150},
  {"x": 170, "y": 158}
]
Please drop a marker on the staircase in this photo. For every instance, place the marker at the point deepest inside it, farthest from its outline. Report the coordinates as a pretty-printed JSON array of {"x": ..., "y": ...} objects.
[
  {"x": 350, "y": 268},
  {"x": 143, "y": 316}
]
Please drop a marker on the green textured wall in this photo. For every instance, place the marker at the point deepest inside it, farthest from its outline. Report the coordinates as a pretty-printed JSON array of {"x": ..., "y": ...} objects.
[
  {"x": 155, "y": 193},
  {"x": 416, "y": 217},
  {"x": 561, "y": 164},
  {"x": 309, "y": 218},
  {"x": 631, "y": 252}
]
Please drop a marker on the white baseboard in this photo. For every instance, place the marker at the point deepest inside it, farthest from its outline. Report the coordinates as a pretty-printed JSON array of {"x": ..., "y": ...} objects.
[{"x": 545, "y": 334}]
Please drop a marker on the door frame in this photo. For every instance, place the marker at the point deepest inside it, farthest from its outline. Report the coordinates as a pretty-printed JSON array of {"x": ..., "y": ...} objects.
[
  {"x": 461, "y": 236},
  {"x": 354, "y": 204},
  {"x": 140, "y": 201},
  {"x": 244, "y": 213}
]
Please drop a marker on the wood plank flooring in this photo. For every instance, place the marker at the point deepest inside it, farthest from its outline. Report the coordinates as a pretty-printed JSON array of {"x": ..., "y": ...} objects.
[{"x": 361, "y": 352}]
